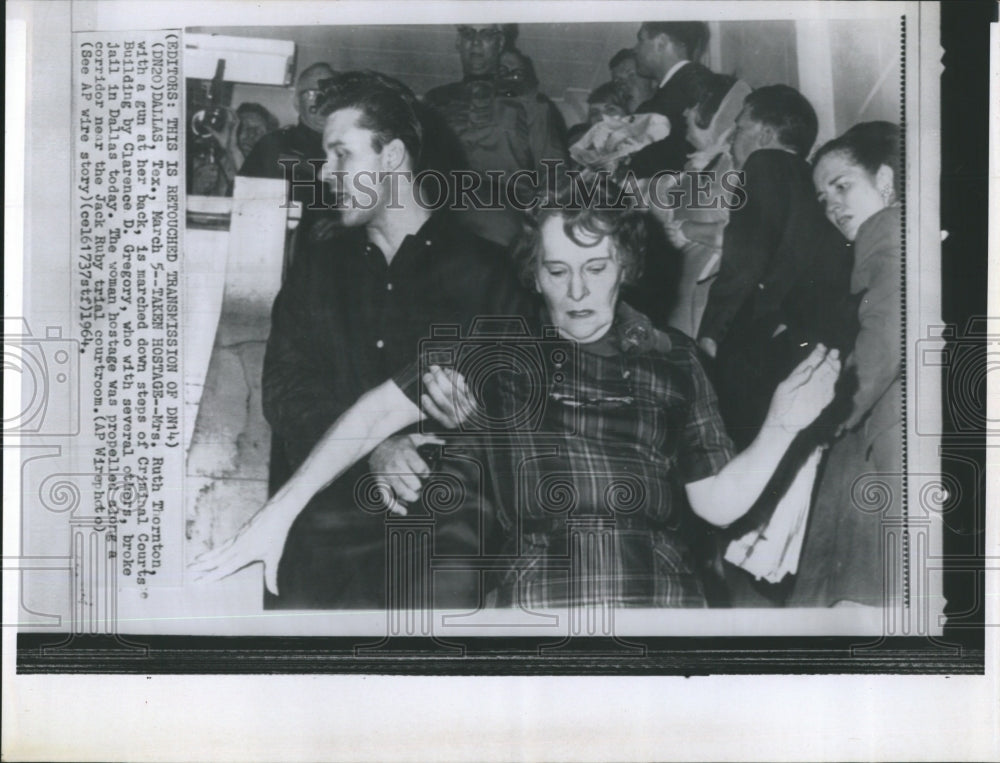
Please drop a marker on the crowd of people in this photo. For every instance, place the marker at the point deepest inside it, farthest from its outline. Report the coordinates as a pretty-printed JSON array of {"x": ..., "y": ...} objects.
[{"x": 713, "y": 371}]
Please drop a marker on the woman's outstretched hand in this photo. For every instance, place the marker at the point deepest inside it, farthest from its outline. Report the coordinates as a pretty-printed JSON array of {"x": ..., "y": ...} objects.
[
  {"x": 447, "y": 397},
  {"x": 800, "y": 398}
]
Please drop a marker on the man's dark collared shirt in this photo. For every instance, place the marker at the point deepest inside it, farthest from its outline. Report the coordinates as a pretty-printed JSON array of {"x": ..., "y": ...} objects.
[{"x": 345, "y": 321}]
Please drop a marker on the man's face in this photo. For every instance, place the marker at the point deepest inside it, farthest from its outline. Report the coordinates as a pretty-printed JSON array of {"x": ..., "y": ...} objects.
[
  {"x": 352, "y": 167},
  {"x": 748, "y": 135},
  {"x": 479, "y": 48},
  {"x": 306, "y": 96},
  {"x": 512, "y": 66},
  {"x": 579, "y": 283},
  {"x": 626, "y": 75},
  {"x": 646, "y": 54}
]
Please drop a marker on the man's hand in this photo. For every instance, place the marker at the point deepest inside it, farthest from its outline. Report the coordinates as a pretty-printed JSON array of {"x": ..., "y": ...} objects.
[
  {"x": 800, "y": 398},
  {"x": 399, "y": 469},
  {"x": 446, "y": 397},
  {"x": 262, "y": 539}
]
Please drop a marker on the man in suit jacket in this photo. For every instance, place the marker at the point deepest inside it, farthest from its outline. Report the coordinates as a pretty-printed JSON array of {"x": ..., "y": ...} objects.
[
  {"x": 785, "y": 272},
  {"x": 667, "y": 51}
]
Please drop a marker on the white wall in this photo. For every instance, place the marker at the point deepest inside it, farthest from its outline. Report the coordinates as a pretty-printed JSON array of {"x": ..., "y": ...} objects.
[{"x": 855, "y": 79}]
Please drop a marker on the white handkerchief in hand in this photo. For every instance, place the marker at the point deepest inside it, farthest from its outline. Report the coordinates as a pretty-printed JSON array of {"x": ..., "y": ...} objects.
[{"x": 773, "y": 551}]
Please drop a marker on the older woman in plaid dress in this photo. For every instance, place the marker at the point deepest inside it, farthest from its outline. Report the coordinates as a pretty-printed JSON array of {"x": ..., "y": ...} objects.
[{"x": 600, "y": 458}]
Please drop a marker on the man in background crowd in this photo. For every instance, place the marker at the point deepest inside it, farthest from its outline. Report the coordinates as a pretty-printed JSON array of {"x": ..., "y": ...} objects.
[
  {"x": 668, "y": 52},
  {"x": 295, "y": 153},
  {"x": 351, "y": 313},
  {"x": 784, "y": 273},
  {"x": 783, "y": 283},
  {"x": 255, "y": 122},
  {"x": 625, "y": 74},
  {"x": 498, "y": 133}
]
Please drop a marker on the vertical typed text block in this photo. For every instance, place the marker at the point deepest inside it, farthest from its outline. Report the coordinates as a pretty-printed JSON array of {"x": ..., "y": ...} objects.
[{"x": 128, "y": 218}]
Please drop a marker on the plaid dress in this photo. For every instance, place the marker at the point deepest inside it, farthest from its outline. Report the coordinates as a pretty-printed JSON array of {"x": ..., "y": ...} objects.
[
  {"x": 589, "y": 449},
  {"x": 592, "y": 495}
]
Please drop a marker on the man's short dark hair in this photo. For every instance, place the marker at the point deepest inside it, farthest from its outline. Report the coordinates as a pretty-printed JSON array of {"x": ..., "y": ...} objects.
[
  {"x": 603, "y": 216},
  {"x": 692, "y": 36},
  {"x": 619, "y": 58},
  {"x": 788, "y": 113},
  {"x": 388, "y": 108}
]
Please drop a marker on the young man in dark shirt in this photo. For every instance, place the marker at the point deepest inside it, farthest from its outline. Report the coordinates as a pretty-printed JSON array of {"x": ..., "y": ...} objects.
[{"x": 351, "y": 313}]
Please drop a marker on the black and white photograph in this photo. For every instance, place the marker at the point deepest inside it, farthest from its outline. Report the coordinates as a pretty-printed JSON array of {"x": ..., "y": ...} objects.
[{"x": 465, "y": 340}]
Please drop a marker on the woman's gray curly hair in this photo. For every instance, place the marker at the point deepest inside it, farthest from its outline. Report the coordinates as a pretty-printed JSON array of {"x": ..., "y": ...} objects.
[{"x": 604, "y": 215}]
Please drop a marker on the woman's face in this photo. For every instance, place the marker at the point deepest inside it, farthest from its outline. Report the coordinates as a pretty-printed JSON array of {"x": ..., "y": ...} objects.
[
  {"x": 579, "y": 283},
  {"x": 849, "y": 193}
]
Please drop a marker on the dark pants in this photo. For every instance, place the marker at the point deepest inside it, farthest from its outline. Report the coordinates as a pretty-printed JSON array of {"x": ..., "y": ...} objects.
[
  {"x": 749, "y": 366},
  {"x": 339, "y": 551}
]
